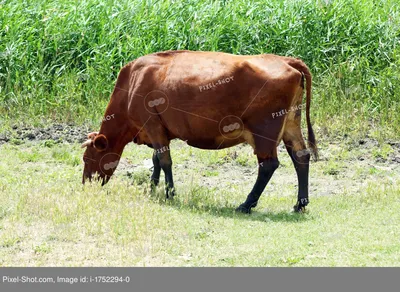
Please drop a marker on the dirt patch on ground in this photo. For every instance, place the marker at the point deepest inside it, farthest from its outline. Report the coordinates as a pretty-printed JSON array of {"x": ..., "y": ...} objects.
[
  {"x": 365, "y": 148},
  {"x": 56, "y": 132}
]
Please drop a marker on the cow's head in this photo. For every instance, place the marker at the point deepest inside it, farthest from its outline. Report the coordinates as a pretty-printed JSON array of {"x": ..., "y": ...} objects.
[{"x": 100, "y": 158}]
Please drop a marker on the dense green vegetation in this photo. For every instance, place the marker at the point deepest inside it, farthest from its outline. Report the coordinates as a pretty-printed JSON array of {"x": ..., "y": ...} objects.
[{"x": 59, "y": 59}]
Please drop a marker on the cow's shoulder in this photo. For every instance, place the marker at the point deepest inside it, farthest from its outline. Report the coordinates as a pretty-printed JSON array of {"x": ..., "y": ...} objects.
[
  {"x": 167, "y": 54},
  {"x": 155, "y": 62},
  {"x": 159, "y": 58}
]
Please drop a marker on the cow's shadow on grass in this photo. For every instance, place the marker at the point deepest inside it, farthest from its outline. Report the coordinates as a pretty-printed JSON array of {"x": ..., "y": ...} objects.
[{"x": 200, "y": 207}]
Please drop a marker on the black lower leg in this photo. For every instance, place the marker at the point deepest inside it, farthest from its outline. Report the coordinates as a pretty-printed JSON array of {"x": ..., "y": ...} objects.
[
  {"x": 265, "y": 171},
  {"x": 301, "y": 161},
  {"x": 155, "y": 177},
  {"x": 166, "y": 165}
]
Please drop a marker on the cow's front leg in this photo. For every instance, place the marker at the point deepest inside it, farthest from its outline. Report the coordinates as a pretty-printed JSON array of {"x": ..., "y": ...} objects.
[
  {"x": 164, "y": 157},
  {"x": 266, "y": 168},
  {"x": 155, "y": 177}
]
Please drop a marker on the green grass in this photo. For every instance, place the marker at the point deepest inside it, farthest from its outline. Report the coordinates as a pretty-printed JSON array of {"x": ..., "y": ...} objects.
[
  {"x": 47, "y": 218},
  {"x": 59, "y": 59}
]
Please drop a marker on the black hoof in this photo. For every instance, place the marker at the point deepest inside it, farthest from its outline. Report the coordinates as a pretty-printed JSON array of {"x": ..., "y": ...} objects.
[
  {"x": 170, "y": 194},
  {"x": 299, "y": 208},
  {"x": 153, "y": 184},
  {"x": 243, "y": 208}
]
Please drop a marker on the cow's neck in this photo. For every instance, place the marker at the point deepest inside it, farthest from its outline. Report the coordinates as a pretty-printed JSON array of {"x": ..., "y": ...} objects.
[
  {"x": 117, "y": 130},
  {"x": 116, "y": 125}
]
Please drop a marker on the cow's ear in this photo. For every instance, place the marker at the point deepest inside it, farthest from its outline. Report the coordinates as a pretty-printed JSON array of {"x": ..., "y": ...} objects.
[{"x": 100, "y": 142}]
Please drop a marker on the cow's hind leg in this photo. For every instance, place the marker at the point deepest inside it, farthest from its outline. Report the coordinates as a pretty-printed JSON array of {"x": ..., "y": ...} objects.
[
  {"x": 300, "y": 156},
  {"x": 160, "y": 144},
  {"x": 266, "y": 168}
]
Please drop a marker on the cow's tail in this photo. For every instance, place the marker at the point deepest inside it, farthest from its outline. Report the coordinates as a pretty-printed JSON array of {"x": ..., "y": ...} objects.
[{"x": 302, "y": 67}]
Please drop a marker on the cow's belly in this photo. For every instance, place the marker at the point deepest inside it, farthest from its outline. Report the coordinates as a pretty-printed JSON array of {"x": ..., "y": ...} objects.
[
  {"x": 217, "y": 143},
  {"x": 220, "y": 141}
]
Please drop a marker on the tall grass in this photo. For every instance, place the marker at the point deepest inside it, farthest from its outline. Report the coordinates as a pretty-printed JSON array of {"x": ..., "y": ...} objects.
[{"x": 59, "y": 59}]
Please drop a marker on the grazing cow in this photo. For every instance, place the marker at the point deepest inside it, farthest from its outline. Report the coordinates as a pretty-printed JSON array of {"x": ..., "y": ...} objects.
[{"x": 210, "y": 100}]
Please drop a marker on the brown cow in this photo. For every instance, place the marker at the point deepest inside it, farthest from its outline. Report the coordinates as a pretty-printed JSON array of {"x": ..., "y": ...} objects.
[{"x": 212, "y": 101}]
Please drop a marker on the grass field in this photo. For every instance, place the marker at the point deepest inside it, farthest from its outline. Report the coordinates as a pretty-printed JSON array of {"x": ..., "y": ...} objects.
[
  {"x": 58, "y": 64},
  {"x": 47, "y": 218}
]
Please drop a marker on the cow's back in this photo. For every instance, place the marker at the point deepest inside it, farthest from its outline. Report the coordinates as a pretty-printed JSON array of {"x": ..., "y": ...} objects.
[{"x": 204, "y": 88}]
